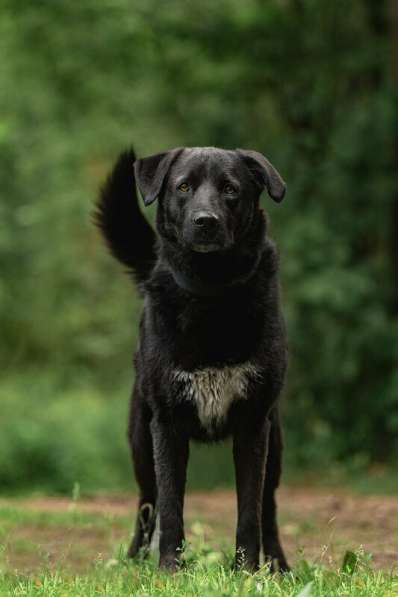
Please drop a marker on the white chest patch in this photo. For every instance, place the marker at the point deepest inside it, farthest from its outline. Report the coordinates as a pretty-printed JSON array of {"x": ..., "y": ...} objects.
[{"x": 213, "y": 390}]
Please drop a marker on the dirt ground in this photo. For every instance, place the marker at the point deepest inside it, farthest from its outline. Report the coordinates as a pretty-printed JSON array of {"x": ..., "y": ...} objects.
[{"x": 316, "y": 524}]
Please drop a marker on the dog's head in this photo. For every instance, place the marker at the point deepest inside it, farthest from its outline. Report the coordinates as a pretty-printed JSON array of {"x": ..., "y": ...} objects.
[{"x": 208, "y": 197}]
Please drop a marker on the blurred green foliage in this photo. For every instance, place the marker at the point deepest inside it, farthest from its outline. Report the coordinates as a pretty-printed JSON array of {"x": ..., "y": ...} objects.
[{"x": 305, "y": 81}]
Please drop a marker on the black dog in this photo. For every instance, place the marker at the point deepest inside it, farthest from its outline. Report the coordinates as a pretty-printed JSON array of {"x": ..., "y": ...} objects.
[{"x": 212, "y": 354}]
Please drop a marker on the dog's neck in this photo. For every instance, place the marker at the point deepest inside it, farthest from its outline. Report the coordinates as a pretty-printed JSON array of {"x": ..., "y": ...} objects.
[
  {"x": 202, "y": 288},
  {"x": 214, "y": 274}
]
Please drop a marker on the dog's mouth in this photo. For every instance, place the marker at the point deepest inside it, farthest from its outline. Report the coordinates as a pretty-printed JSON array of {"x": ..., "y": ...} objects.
[{"x": 205, "y": 247}]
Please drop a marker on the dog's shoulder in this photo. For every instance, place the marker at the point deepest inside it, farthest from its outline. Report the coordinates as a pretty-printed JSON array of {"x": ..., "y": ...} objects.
[{"x": 269, "y": 261}]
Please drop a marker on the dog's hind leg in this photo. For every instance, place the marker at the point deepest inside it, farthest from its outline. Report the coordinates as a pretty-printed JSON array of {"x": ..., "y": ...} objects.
[
  {"x": 142, "y": 453},
  {"x": 273, "y": 551}
]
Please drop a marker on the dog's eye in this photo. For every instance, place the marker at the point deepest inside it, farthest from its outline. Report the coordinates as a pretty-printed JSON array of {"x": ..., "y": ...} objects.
[
  {"x": 184, "y": 187},
  {"x": 229, "y": 189}
]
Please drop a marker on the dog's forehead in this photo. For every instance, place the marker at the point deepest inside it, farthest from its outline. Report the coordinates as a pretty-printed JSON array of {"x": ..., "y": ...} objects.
[{"x": 206, "y": 160}]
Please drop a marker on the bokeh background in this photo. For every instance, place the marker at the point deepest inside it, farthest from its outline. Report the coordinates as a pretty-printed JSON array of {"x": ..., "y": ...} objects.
[{"x": 313, "y": 85}]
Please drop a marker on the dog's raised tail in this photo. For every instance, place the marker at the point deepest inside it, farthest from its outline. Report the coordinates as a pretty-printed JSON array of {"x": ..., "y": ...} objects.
[{"x": 129, "y": 236}]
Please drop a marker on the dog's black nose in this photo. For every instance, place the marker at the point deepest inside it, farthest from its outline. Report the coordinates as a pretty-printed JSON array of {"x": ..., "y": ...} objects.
[{"x": 205, "y": 220}]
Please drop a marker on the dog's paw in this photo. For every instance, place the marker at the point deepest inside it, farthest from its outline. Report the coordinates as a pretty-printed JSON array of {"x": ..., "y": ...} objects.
[
  {"x": 243, "y": 561},
  {"x": 277, "y": 563},
  {"x": 170, "y": 564}
]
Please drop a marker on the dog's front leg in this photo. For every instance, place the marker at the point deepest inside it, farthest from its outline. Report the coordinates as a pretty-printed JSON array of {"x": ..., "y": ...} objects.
[
  {"x": 250, "y": 452},
  {"x": 171, "y": 448}
]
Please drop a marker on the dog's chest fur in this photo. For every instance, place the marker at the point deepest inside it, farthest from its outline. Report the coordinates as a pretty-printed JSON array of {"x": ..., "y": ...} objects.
[{"x": 213, "y": 390}]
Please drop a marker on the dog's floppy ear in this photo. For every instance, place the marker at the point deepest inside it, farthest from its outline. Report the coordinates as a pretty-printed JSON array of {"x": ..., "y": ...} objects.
[
  {"x": 264, "y": 173},
  {"x": 151, "y": 172}
]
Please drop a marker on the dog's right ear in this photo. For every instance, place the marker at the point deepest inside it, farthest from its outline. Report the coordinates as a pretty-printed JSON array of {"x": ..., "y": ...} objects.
[
  {"x": 150, "y": 173},
  {"x": 264, "y": 173}
]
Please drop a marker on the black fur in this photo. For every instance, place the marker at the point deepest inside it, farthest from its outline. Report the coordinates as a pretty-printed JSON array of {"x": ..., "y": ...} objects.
[
  {"x": 210, "y": 281},
  {"x": 129, "y": 236}
]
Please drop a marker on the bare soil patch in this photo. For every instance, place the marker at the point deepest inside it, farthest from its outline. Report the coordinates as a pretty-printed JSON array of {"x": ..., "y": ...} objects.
[{"x": 316, "y": 524}]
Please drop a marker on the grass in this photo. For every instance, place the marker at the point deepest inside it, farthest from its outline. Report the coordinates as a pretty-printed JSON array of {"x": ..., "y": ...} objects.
[
  {"x": 45, "y": 448},
  {"x": 72, "y": 553},
  {"x": 200, "y": 579}
]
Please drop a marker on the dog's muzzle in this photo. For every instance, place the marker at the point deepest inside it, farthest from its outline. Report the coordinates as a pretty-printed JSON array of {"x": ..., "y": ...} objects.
[
  {"x": 206, "y": 232},
  {"x": 205, "y": 221}
]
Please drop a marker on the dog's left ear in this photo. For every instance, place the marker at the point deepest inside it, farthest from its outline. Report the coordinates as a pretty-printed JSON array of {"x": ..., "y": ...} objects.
[
  {"x": 150, "y": 173},
  {"x": 264, "y": 173}
]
